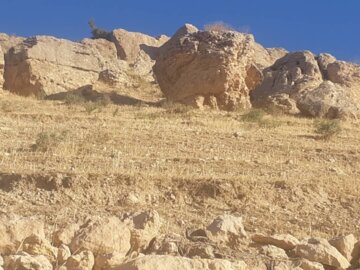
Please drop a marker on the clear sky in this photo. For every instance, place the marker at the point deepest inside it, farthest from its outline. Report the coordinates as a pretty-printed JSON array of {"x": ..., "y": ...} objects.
[{"x": 318, "y": 25}]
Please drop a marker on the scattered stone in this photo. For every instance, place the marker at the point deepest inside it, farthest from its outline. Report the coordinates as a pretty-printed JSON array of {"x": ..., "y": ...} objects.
[
  {"x": 227, "y": 228},
  {"x": 284, "y": 241},
  {"x": 27, "y": 262},
  {"x": 63, "y": 254},
  {"x": 202, "y": 251},
  {"x": 319, "y": 250},
  {"x": 65, "y": 235},
  {"x": 163, "y": 262},
  {"x": 345, "y": 245},
  {"x": 37, "y": 245},
  {"x": 146, "y": 227},
  {"x": 102, "y": 235},
  {"x": 165, "y": 245},
  {"x": 81, "y": 261},
  {"x": 14, "y": 229},
  {"x": 274, "y": 252}
]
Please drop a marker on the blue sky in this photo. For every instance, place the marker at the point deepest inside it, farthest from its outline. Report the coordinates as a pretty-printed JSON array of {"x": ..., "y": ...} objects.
[{"x": 318, "y": 25}]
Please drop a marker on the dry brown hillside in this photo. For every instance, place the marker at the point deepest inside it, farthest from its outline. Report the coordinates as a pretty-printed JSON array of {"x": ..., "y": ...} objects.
[{"x": 65, "y": 162}]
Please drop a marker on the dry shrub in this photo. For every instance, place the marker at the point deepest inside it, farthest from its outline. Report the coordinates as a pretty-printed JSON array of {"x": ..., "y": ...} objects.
[{"x": 218, "y": 27}]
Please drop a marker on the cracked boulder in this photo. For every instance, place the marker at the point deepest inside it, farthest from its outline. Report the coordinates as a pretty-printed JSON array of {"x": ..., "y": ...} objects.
[{"x": 216, "y": 69}]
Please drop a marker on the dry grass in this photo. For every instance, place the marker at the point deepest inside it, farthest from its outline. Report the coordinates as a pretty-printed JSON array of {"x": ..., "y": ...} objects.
[{"x": 280, "y": 179}]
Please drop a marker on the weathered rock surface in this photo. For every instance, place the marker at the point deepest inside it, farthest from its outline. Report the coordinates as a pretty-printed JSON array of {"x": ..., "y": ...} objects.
[
  {"x": 65, "y": 235},
  {"x": 105, "y": 235},
  {"x": 195, "y": 66},
  {"x": 328, "y": 100},
  {"x": 44, "y": 65},
  {"x": 108, "y": 261},
  {"x": 146, "y": 226},
  {"x": 163, "y": 262},
  {"x": 131, "y": 45},
  {"x": 274, "y": 252},
  {"x": 319, "y": 250},
  {"x": 308, "y": 265},
  {"x": 227, "y": 228},
  {"x": 14, "y": 229},
  {"x": 284, "y": 241},
  {"x": 27, "y": 262},
  {"x": 9, "y": 41},
  {"x": 319, "y": 86},
  {"x": 63, "y": 254},
  {"x": 37, "y": 245},
  {"x": 81, "y": 261},
  {"x": 294, "y": 73},
  {"x": 346, "y": 246}
]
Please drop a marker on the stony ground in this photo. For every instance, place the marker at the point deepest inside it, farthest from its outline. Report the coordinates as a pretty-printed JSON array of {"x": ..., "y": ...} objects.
[{"x": 66, "y": 160}]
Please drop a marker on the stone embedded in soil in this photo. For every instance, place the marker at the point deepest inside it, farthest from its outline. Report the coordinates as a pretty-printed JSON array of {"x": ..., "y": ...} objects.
[
  {"x": 27, "y": 262},
  {"x": 81, "y": 261},
  {"x": 345, "y": 245}
]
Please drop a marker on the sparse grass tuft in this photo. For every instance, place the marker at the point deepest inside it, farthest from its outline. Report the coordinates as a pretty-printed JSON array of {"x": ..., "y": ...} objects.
[
  {"x": 74, "y": 99},
  {"x": 327, "y": 128},
  {"x": 176, "y": 108},
  {"x": 218, "y": 27},
  {"x": 46, "y": 141},
  {"x": 253, "y": 116}
]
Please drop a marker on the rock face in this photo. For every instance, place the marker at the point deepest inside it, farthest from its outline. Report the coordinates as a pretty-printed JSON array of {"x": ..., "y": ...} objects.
[
  {"x": 45, "y": 65},
  {"x": 319, "y": 250},
  {"x": 131, "y": 45},
  {"x": 209, "y": 68},
  {"x": 164, "y": 262},
  {"x": 8, "y": 41}
]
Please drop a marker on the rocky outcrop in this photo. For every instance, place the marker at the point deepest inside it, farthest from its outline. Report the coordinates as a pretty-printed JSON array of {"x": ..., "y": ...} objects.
[
  {"x": 218, "y": 69},
  {"x": 328, "y": 100},
  {"x": 319, "y": 86},
  {"x": 131, "y": 45},
  {"x": 25, "y": 261},
  {"x": 9, "y": 41},
  {"x": 45, "y": 65}
]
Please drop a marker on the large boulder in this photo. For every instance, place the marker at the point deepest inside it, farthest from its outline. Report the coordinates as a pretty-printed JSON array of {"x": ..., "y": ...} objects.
[
  {"x": 319, "y": 250},
  {"x": 328, "y": 100},
  {"x": 165, "y": 262},
  {"x": 292, "y": 74},
  {"x": 44, "y": 65},
  {"x": 102, "y": 235},
  {"x": 320, "y": 86},
  {"x": 346, "y": 245},
  {"x": 14, "y": 229},
  {"x": 209, "y": 68}
]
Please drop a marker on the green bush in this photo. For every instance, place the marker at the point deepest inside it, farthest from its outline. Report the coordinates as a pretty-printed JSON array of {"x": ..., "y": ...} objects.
[
  {"x": 254, "y": 116},
  {"x": 327, "y": 128}
]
